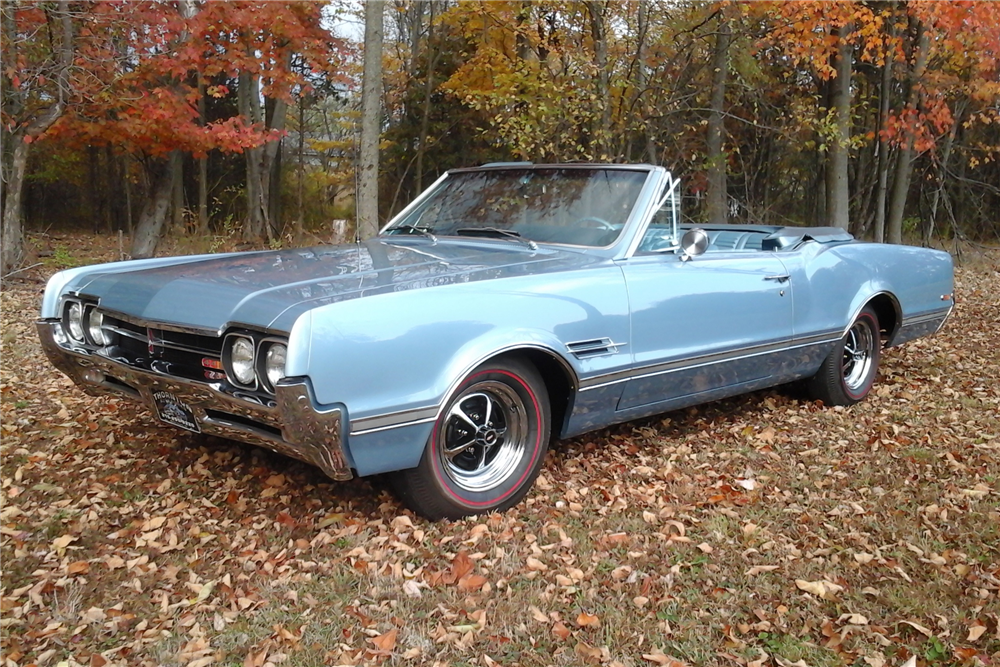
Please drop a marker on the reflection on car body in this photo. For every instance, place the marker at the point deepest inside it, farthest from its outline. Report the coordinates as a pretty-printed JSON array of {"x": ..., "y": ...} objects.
[{"x": 449, "y": 358}]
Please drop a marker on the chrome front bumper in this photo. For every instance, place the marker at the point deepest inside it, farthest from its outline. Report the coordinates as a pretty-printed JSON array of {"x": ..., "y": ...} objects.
[{"x": 292, "y": 426}]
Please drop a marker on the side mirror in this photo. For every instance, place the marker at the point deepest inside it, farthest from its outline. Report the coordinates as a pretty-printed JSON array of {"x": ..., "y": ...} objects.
[{"x": 693, "y": 243}]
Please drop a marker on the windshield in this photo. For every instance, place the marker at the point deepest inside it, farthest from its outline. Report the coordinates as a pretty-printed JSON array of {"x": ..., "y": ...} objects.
[{"x": 574, "y": 206}]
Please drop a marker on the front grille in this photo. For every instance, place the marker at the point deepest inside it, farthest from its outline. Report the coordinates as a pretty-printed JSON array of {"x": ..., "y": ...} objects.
[{"x": 171, "y": 352}]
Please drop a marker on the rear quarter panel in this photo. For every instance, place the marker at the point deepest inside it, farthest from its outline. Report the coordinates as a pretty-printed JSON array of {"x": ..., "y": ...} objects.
[{"x": 832, "y": 283}]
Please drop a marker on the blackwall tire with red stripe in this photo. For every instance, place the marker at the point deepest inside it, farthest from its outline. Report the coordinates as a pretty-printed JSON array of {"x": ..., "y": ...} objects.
[
  {"x": 487, "y": 446},
  {"x": 848, "y": 373}
]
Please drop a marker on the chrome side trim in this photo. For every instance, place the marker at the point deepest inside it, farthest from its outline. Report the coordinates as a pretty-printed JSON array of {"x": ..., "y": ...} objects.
[
  {"x": 916, "y": 326},
  {"x": 599, "y": 381},
  {"x": 927, "y": 317},
  {"x": 414, "y": 416},
  {"x": 393, "y": 419},
  {"x": 947, "y": 316},
  {"x": 392, "y": 426}
]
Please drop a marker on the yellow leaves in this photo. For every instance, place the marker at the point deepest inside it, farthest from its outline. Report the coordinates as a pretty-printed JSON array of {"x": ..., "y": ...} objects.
[
  {"x": 60, "y": 543},
  {"x": 590, "y": 655},
  {"x": 823, "y": 588},
  {"x": 760, "y": 569},
  {"x": 919, "y": 628},
  {"x": 386, "y": 642},
  {"x": 78, "y": 567},
  {"x": 204, "y": 591},
  {"x": 560, "y": 631},
  {"x": 535, "y": 565},
  {"x": 153, "y": 524},
  {"x": 461, "y": 565},
  {"x": 853, "y": 619},
  {"x": 975, "y": 632},
  {"x": 658, "y": 657},
  {"x": 471, "y": 582},
  {"x": 585, "y": 620}
]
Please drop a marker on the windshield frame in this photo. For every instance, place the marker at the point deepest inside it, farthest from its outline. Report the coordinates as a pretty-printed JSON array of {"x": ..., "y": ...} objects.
[{"x": 639, "y": 211}]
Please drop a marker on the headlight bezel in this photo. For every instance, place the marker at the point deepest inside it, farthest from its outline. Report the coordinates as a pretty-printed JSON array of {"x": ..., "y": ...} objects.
[
  {"x": 228, "y": 349},
  {"x": 105, "y": 337},
  {"x": 263, "y": 344},
  {"x": 74, "y": 327},
  {"x": 264, "y": 359}
]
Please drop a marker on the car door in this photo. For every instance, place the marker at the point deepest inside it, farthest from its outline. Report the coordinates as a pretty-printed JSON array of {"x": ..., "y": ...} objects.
[{"x": 713, "y": 325}]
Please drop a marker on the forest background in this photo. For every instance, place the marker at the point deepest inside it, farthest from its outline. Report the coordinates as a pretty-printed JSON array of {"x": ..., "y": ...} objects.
[{"x": 238, "y": 122}]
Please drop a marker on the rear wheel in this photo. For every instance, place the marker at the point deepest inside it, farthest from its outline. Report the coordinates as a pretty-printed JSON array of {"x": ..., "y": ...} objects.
[
  {"x": 487, "y": 445},
  {"x": 847, "y": 375}
]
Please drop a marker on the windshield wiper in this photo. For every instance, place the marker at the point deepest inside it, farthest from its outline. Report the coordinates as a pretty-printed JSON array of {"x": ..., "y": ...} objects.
[
  {"x": 496, "y": 232},
  {"x": 413, "y": 229}
]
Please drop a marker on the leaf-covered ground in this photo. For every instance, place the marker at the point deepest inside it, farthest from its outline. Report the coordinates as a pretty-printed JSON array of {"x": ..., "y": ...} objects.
[{"x": 763, "y": 530}]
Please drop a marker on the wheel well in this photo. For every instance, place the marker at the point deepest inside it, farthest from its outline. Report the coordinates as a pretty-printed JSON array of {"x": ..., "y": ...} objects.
[
  {"x": 558, "y": 383},
  {"x": 887, "y": 311}
]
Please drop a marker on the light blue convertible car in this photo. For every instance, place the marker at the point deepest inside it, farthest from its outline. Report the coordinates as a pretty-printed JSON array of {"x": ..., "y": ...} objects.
[{"x": 507, "y": 305}]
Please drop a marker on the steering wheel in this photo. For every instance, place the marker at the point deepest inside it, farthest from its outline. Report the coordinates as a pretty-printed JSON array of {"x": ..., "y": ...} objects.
[{"x": 598, "y": 223}]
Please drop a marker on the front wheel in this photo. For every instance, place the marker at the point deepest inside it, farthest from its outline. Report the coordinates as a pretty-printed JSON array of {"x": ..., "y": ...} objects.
[
  {"x": 487, "y": 445},
  {"x": 847, "y": 375}
]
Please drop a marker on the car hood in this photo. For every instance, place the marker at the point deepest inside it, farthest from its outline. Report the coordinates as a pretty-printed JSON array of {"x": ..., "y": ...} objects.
[{"x": 271, "y": 289}]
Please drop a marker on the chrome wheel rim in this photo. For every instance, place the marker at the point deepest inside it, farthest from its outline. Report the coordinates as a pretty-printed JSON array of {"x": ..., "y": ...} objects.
[
  {"x": 859, "y": 352},
  {"x": 483, "y": 436}
]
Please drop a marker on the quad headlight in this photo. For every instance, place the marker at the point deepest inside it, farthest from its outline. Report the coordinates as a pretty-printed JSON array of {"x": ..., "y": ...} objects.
[
  {"x": 95, "y": 328},
  {"x": 254, "y": 361},
  {"x": 74, "y": 321},
  {"x": 274, "y": 363},
  {"x": 241, "y": 360}
]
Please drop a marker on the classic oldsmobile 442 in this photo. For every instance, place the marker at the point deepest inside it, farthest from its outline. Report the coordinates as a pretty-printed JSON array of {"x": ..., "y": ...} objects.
[{"x": 508, "y": 304}]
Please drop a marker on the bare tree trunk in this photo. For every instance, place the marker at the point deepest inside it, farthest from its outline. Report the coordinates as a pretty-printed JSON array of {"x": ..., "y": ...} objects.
[
  {"x": 12, "y": 240},
  {"x": 300, "y": 186},
  {"x": 13, "y": 235},
  {"x": 904, "y": 164},
  {"x": 949, "y": 142},
  {"x": 598, "y": 32},
  {"x": 148, "y": 230},
  {"x": 277, "y": 114},
  {"x": 432, "y": 58},
  {"x": 883, "y": 146},
  {"x": 202, "y": 169},
  {"x": 248, "y": 98},
  {"x": 717, "y": 159},
  {"x": 177, "y": 195},
  {"x": 128, "y": 194},
  {"x": 838, "y": 195},
  {"x": 643, "y": 72},
  {"x": 371, "y": 112}
]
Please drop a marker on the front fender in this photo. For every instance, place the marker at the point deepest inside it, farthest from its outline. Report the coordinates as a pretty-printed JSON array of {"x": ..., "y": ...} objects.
[{"x": 394, "y": 358}]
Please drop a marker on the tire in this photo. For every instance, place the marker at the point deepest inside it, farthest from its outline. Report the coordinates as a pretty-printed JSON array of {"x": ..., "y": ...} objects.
[
  {"x": 848, "y": 373},
  {"x": 465, "y": 471}
]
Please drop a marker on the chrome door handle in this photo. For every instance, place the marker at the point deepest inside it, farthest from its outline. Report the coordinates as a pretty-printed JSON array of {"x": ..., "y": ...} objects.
[{"x": 777, "y": 279}]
